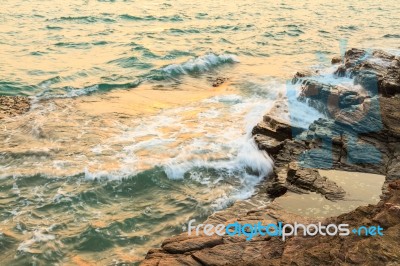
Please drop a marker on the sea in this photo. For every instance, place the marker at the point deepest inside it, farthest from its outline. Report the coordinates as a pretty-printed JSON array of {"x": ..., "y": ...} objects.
[{"x": 127, "y": 139}]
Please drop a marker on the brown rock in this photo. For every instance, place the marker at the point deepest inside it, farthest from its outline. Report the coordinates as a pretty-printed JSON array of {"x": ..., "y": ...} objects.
[
  {"x": 336, "y": 60},
  {"x": 379, "y": 68},
  {"x": 241, "y": 253},
  {"x": 275, "y": 136},
  {"x": 270, "y": 145},
  {"x": 219, "y": 81},
  {"x": 275, "y": 127},
  {"x": 192, "y": 243},
  {"x": 311, "y": 180},
  {"x": 13, "y": 105}
]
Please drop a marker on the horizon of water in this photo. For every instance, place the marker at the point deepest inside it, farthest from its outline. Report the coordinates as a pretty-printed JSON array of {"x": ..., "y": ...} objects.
[{"x": 127, "y": 139}]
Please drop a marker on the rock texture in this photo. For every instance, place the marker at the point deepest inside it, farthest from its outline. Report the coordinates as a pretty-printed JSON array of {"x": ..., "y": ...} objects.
[
  {"x": 218, "y": 81},
  {"x": 361, "y": 133},
  {"x": 299, "y": 250},
  {"x": 13, "y": 105}
]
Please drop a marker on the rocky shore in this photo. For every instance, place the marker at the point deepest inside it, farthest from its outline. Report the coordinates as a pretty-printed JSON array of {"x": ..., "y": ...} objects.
[
  {"x": 361, "y": 133},
  {"x": 13, "y": 105}
]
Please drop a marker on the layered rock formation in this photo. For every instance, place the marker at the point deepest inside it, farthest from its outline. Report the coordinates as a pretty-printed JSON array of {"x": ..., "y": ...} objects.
[
  {"x": 361, "y": 133},
  {"x": 299, "y": 250}
]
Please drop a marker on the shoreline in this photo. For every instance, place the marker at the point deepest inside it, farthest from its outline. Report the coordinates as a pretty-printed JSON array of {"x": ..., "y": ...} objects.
[
  {"x": 378, "y": 129},
  {"x": 288, "y": 178},
  {"x": 13, "y": 105}
]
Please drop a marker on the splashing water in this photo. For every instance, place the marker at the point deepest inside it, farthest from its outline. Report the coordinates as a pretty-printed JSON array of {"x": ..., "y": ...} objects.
[{"x": 127, "y": 139}]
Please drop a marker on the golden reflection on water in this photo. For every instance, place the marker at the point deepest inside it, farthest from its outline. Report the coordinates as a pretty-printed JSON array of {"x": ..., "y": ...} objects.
[
  {"x": 56, "y": 44},
  {"x": 76, "y": 39}
]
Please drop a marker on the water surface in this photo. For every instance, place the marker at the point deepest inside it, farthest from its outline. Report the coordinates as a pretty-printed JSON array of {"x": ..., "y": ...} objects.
[{"x": 127, "y": 139}]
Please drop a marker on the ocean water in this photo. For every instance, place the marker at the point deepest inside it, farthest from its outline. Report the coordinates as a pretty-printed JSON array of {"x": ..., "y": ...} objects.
[{"x": 127, "y": 139}]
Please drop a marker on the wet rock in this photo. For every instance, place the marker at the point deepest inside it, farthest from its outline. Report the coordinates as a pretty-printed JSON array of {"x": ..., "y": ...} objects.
[
  {"x": 276, "y": 128},
  {"x": 365, "y": 126},
  {"x": 13, "y": 105},
  {"x": 378, "y": 71},
  {"x": 275, "y": 189},
  {"x": 301, "y": 75},
  {"x": 301, "y": 180},
  {"x": 329, "y": 99},
  {"x": 336, "y": 60},
  {"x": 219, "y": 81},
  {"x": 270, "y": 145},
  {"x": 311, "y": 180}
]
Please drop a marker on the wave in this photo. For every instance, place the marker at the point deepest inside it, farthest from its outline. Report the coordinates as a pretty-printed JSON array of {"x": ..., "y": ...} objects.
[
  {"x": 194, "y": 66},
  {"x": 391, "y": 36},
  {"x": 71, "y": 92},
  {"x": 200, "y": 64},
  {"x": 10, "y": 88},
  {"x": 174, "y": 18},
  {"x": 136, "y": 18},
  {"x": 83, "y": 19},
  {"x": 129, "y": 62}
]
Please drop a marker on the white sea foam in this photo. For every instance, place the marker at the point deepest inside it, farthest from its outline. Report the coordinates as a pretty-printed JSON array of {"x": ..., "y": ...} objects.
[
  {"x": 37, "y": 237},
  {"x": 201, "y": 64}
]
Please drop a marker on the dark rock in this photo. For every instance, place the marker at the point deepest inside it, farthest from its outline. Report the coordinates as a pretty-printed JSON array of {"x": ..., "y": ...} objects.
[
  {"x": 13, "y": 105},
  {"x": 377, "y": 72},
  {"x": 219, "y": 81},
  {"x": 275, "y": 128},
  {"x": 336, "y": 60},
  {"x": 270, "y": 145},
  {"x": 276, "y": 189},
  {"x": 300, "y": 75},
  {"x": 311, "y": 180},
  {"x": 329, "y": 99}
]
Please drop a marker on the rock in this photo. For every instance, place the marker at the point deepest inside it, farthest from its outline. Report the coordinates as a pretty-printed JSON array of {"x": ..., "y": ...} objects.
[
  {"x": 219, "y": 81},
  {"x": 389, "y": 109},
  {"x": 361, "y": 133},
  {"x": 300, "y": 75},
  {"x": 270, "y": 145},
  {"x": 378, "y": 71},
  {"x": 301, "y": 250},
  {"x": 241, "y": 253},
  {"x": 191, "y": 243},
  {"x": 166, "y": 259},
  {"x": 336, "y": 60},
  {"x": 301, "y": 180},
  {"x": 276, "y": 128},
  {"x": 13, "y": 105},
  {"x": 310, "y": 180},
  {"x": 329, "y": 99},
  {"x": 276, "y": 189}
]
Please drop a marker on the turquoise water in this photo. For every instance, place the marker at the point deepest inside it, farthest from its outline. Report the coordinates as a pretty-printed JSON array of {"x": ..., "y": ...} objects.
[{"x": 127, "y": 139}]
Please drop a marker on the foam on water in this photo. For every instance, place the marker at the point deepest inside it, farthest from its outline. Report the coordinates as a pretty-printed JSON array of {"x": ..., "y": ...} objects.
[
  {"x": 163, "y": 168},
  {"x": 200, "y": 64},
  {"x": 86, "y": 175}
]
